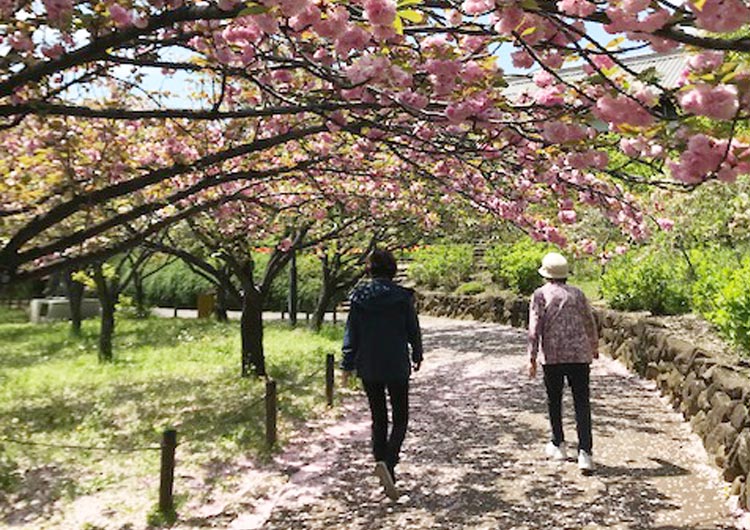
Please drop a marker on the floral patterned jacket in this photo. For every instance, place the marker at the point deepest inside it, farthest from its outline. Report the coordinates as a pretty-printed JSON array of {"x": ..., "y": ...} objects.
[{"x": 561, "y": 325}]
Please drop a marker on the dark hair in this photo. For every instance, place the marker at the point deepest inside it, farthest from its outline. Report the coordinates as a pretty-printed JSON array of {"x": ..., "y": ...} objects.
[{"x": 381, "y": 263}]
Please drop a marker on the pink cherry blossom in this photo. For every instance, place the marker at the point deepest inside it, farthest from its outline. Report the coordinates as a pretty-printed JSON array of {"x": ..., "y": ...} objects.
[
  {"x": 576, "y": 8},
  {"x": 334, "y": 24},
  {"x": 721, "y": 16},
  {"x": 621, "y": 110},
  {"x": 354, "y": 38},
  {"x": 120, "y": 16},
  {"x": 58, "y": 10},
  {"x": 567, "y": 216},
  {"x": 367, "y": 68},
  {"x": 477, "y": 7},
  {"x": 588, "y": 246},
  {"x": 665, "y": 224},
  {"x": 705, "y": 61},
  {"x": 509, "y": 19},
  {"x": 702, "y": 156},
  {"x": 380, "y": 12},
  {"x": 719, "y": 102},
  {"x": 306, "y": 18},
  {"x": 285, "y": 245}
]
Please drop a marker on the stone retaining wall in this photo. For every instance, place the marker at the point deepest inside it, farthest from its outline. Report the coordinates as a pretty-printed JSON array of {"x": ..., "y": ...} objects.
[{"x": 711, "y": 389}]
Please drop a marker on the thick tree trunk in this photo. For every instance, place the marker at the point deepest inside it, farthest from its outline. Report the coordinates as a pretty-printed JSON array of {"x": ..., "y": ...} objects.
[
  {"x": 106, "y": 331},
  {"x": 107, "y": 295},
  {"x": 74, "y": 291},
  {"x": 139, "y": 296},
  {"x": 220, "y": 309},
  {"x": 324, "y": 299},
  {"x": 251, "y": 329}
]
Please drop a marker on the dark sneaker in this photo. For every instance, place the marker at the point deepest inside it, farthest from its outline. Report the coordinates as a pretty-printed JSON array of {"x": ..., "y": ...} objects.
[{"x": 386, "y": 480}]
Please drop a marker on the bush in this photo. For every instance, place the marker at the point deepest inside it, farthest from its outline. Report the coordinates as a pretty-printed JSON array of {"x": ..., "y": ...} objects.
[
  {"x": 732, "y": 314},
  {"x": 470, "y": 288},
  {"x": 713, "y": 269},
  {"x": 175, "y": 284},
  {"x": 654, "y": 282},
  {"x": 309, "y": 282},
  {"x": 516, "y": 266},
  {"x": 445, "y": 266}
]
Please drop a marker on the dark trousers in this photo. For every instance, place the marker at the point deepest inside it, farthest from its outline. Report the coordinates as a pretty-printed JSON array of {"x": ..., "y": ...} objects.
[
  {"x": 387, "y": 447},
  {"x": 577, "y": 375}
]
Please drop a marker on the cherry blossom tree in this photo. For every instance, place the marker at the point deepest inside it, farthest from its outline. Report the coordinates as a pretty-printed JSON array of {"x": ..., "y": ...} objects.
[{"x": 415, "y": 84}]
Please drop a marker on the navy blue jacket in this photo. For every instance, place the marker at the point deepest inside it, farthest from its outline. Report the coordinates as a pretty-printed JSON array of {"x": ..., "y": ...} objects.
[{"x": 382, "y": 324}]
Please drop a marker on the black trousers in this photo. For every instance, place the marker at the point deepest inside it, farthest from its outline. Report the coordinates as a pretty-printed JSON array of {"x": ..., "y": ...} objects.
[
  {"x": 577, "y": 375},
  {"x": 387, "y": 447}
]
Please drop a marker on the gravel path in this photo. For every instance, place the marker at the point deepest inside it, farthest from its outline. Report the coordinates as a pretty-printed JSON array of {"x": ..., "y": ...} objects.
[{"x": 473, "y": 457}]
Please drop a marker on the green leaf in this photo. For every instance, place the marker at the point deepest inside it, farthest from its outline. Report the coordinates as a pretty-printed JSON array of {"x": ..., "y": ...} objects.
[
  {"x": 615, "y": 42},
  {"x": 412, "y": 15},
  {"x": 699, "y": 4},
  {"x": 253, "y": 9},
  {"x": 528, "y": 31},
  {"x": 406, "y": 3},
  {"x": 530, "y": 5},
  {"x": 398, "y": 25}
]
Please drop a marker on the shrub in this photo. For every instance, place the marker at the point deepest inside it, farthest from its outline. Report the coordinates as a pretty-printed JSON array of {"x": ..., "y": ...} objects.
[
  {"x": 175, "y": 284},
  {"x": 654, "y": 282},
  {"x": 732, "y": 314},
  {"x": 713, "y": 269},
  {"x": 445, "y": 266},
  {"x": 516, "y": 266},
  {"x": 309, "y": 282},
  {"x": 470, "y": 288}
]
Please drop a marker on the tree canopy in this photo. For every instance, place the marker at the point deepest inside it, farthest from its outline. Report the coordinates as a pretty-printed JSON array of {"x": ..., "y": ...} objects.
[{"x": 352, "y": 95}]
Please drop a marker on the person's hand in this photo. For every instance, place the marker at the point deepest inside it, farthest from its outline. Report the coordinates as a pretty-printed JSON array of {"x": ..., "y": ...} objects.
[
  {"x": 417, "y": 366},
  {"x": 532, "y": 368},
  {"x": 345, "y": 378}
]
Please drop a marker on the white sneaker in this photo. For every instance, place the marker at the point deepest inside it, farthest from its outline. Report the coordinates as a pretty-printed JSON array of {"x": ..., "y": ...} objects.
[
  {"x": 386, "y": 480},
  {"x": 556, "y": 452},
  {"x": 585, "y": 463}
]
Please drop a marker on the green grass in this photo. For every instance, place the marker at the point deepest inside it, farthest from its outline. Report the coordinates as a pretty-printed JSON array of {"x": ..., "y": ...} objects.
[{"x": 167, "y": 373}]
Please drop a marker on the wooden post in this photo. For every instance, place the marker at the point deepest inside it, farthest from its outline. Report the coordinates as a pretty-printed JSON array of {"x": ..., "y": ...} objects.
[
  {"x": 293, "y": 298},
  {"x": 334, "y": 315},
  {"x": 271, "y": 412},
  {"x": 166, "y": 497},
  {"x": 329, "y": 379}
]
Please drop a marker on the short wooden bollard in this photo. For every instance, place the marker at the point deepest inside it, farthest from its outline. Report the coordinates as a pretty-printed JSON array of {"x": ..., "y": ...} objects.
[
  {"x": 271, "y": 411},
  {"x": 329, "y": 379},
  {"x": 166, "y": 484}
]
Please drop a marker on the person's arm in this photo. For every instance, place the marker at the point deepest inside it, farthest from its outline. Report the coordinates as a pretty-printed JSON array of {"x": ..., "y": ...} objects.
[
  {"x": 414, "y": 334},
  {"x": 349, "y": 347},
  {"x": 591, "y": 330},
  {"x": 536, "y": 310}
]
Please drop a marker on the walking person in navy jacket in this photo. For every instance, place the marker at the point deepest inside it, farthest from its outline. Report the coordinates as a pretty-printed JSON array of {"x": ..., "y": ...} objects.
[{"x": 381, "y": 327}]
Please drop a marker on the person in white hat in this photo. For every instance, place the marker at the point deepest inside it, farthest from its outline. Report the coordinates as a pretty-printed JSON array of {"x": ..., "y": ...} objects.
[{"x": 563, "y": 330}]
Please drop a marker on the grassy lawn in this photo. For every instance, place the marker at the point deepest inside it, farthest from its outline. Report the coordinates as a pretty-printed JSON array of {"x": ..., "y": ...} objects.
[{"x": 167, "y": 373}]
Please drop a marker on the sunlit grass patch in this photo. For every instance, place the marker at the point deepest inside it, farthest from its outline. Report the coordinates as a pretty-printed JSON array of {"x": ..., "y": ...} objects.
[{"x": 167, "y": 373}]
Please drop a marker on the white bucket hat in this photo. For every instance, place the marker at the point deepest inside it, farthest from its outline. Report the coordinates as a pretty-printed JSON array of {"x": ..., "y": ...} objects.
[{"x": 554, "y": 266}]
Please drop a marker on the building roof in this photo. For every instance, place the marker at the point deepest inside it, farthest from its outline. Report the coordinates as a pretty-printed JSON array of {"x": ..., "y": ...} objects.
[{"x": 668, "y": 66}]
